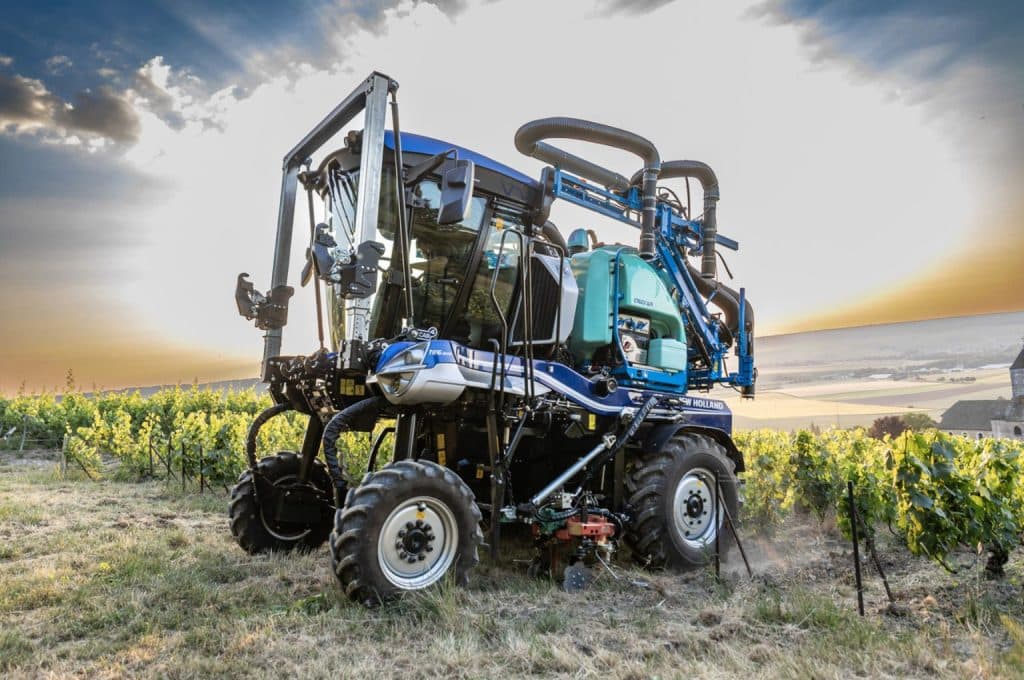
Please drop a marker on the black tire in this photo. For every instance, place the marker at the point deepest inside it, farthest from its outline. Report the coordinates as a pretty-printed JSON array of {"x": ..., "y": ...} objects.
[
  {"x": 657, "y": 535},
  {"x": 387, "y": 502},
  {"x": 256, "y": 532}
]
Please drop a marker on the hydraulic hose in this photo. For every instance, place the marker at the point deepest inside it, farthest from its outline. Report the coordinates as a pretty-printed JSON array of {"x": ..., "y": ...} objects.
[
  {"x": 254, "y": 430},
  {"x": 342, "y": 422},
  {"x": 725, "y": 298},
  {"x": 728, "y": 300},
  {"x": 528, "y": 142},
  {"x": 551, "y": 233},
  {"x": 703, "y": 173}
]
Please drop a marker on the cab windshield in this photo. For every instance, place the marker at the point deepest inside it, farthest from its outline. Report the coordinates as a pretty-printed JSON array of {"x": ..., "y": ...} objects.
[{"x": 439, "y": 254}]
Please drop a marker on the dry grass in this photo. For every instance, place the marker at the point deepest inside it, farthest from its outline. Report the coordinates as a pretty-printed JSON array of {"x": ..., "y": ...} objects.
[{"x": 110, "y": 579}]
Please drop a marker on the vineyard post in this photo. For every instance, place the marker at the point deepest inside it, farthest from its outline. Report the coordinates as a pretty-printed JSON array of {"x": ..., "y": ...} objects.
[
  {"x": 64, "y": 458},
  {"x": 718, "y": 528},
  {"x": 150, "y": 447},
  {"x": 202, "y": 473},
  {"x": 182, "y": 464},
  {"x": 168, "y": 460},
  {"x": 856, "y": 548},
  {"x": 24, "y": 429},
  {"x": 735, "y": 534}
]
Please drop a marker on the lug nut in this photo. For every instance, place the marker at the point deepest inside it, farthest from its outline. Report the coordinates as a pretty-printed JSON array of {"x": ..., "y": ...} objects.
[
  {"x": 422, "y": 557},
  {"x": 402, "y": 555},
  {"x": 430, "y": 548},
  {"x": 411, "y": 560},
  {"x": 410, "y": 526},
  {"x": 421, "y": 506},
  {"x": 401, "y": 533},
  {"x": 399, "y": 545},
  {"x": 419, "y": 524}
]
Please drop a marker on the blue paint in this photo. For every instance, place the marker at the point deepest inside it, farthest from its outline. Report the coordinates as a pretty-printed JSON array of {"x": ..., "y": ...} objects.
[
  {"x": 429, "y": 146},
  {"x": 577, "y": 388}
]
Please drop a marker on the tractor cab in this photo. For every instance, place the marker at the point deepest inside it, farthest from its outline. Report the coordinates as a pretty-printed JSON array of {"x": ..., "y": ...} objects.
[{"x": 465, "y": 275}]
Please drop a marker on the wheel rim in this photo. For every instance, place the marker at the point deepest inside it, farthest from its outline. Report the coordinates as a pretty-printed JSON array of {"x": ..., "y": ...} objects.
[
  {"x": 417, "y": 543},
  {"x": 692, "y": 508},
  {"x": 270, "y": 526}
]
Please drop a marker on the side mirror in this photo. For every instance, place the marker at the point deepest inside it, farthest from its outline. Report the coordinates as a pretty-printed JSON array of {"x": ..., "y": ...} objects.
[
  {"x": 270, "y": 311},
  {"x": 321, "y": 256},
  {"x": 456, "y": 192}
]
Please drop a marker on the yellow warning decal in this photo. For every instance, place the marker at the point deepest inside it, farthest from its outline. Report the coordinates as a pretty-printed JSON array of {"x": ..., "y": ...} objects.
[{"x": 442, "y": 459}]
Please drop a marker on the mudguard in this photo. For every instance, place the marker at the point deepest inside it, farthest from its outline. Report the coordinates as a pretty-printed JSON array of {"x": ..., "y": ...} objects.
[{"x": 656, "y": 436}]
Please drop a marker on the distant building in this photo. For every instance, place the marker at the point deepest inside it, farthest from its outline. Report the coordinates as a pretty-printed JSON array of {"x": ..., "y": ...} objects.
[{"x": 980, "y": 418}]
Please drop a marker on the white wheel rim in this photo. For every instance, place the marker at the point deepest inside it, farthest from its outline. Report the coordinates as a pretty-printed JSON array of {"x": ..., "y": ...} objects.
[
  {"x": 417, "y": 543},
  {"x": 692, "y": 508}
]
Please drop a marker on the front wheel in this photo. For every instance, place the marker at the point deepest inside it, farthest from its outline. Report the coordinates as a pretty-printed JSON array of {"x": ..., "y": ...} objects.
[
  {"x": 404, "y": 528},
  {"x": 672, "y": 496}
]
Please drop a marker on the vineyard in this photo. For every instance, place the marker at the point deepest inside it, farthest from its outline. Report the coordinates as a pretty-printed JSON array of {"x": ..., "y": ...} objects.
[{"x": 936, "y": 493}]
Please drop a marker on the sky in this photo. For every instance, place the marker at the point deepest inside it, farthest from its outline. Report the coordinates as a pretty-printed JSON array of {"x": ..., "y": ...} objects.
[{"x": 870, "y": 154}]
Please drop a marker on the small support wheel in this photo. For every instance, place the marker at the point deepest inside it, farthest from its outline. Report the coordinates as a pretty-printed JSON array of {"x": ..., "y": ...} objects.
[
  {"x": 253, "y": 522},
  {"x": 404, "y": 528}
]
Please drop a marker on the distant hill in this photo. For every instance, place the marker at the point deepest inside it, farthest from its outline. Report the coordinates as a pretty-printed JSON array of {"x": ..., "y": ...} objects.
[
  {"x": 955, "y": 343},
  {"x": 968, "y": 342},
  {"x": 218, "y": 386}
]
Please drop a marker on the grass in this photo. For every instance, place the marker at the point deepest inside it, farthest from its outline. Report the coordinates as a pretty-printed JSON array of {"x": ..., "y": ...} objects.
[{"x": 115, "y": 579}]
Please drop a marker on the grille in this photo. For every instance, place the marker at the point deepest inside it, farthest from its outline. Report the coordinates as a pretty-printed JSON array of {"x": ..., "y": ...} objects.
[{"x": 545, "y": 305}]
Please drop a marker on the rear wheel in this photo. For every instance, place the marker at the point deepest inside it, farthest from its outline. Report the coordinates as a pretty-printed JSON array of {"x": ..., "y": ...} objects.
[
  {"x": 671, "y": 493},
  {"x": 404, "y": 528},
  {"x": 267, "y": 524}
]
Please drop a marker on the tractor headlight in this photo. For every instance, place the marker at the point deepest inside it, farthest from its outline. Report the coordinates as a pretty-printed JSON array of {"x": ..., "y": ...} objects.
[
  {"x": 394, "y": 383},
  {"x": 414, "y": 355},
  {"x": 395, "y": 376}
]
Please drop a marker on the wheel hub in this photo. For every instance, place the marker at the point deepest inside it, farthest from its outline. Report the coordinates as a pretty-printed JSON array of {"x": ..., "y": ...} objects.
[
  {"x": 416, "y": 540},
  {"x": 418, "y": 543},
  {"x": 693, "y": 507}
]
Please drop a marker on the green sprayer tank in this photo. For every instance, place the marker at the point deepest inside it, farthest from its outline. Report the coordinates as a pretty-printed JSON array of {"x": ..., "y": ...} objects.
[{"x": 650, "y": 325}]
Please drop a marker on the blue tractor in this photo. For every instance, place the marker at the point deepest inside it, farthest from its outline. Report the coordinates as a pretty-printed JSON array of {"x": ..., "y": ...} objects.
[{"x": 518, "y": 377}]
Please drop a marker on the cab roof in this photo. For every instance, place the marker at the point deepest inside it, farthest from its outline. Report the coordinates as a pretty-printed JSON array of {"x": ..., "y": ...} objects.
[{"x": 428, "y": 146}]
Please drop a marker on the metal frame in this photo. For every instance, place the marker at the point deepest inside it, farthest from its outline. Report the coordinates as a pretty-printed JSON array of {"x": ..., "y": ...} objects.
[
  {"x": 672, "y": 236},
  {"x": 371, "y": 96}
]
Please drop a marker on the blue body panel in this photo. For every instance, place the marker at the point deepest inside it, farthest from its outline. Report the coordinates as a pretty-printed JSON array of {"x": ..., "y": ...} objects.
[{"x": 562, "y": 379}]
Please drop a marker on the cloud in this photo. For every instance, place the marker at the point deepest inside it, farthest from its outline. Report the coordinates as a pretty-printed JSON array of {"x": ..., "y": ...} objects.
[
  {"x": 58, "y": 64},
  {"x": 28, "y": 107},
  {"x": 25, "y": 103},
  {"x": 5, "y": 60},
  {"x": 631, "y": 6},
  {"x": 102, "y": 112},
  {"x": 177, "y": 97},
  {"x": 961, "y": 60}
]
